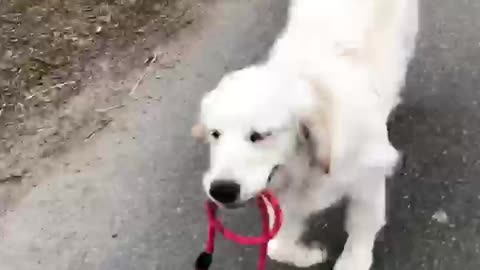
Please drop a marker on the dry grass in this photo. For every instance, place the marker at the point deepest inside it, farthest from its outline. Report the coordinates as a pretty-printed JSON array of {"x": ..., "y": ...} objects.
[
  {"x": 45, "y": 49},
  {"x": 45, "y": 43}
]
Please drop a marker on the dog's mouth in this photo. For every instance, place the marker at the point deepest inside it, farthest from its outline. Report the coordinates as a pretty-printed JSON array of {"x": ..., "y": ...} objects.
[
  {"x": 272, "y": 173},
  {"x": 236, "y": 205}
]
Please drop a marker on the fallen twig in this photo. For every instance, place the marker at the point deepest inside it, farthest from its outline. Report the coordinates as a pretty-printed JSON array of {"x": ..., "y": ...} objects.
[
  {"x": 6, "y": 19},
  {"x": 103, "y": 125},
  {"x": 148, "y": 62},
  {"x": 109, "y": 108},
  {"x": 11, "y": 178},
  {"x": 59, "y": 85},
  {"x": 134, "y": 88}
]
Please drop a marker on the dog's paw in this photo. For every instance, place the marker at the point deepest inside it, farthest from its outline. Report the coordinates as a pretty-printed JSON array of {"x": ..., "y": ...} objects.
[
  {"x": 296, "y": 254},
  {"x": 354, "y": 261}
]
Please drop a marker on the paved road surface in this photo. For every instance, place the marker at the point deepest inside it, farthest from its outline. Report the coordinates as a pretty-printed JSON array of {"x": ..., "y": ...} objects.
[{"x": 131, "y": 198}]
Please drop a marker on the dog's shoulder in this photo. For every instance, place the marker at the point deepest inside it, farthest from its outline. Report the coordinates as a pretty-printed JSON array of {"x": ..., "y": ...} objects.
[{"x": 352, "y": 127}]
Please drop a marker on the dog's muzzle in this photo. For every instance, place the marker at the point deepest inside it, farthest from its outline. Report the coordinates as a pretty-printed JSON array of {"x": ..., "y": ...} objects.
[{"x": 241, "y": 204}]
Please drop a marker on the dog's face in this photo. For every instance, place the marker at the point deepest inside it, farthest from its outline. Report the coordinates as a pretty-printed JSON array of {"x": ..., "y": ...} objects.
[{"x": 251, "y": 121}]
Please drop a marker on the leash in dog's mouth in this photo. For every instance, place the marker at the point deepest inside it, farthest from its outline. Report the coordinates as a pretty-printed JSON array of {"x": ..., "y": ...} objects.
[
  {"x": 241, "y": 204},
  {"x": 204, "y": 261}
]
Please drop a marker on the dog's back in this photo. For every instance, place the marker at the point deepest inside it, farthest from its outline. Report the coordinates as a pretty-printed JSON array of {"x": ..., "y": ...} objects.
[{"x": 324, "y": 36}]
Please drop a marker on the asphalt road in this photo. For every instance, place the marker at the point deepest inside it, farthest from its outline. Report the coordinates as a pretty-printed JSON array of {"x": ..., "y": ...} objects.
[{"x": 132, "y": 198}]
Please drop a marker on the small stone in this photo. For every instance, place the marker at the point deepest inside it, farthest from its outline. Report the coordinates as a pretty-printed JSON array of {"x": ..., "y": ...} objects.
[{"x": 440, "y": 216}]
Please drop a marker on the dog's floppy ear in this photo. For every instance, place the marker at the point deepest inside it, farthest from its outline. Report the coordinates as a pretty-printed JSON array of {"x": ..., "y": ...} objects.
[
  {"x": 313, "y": 113},
  {"x": 317, "y": 147},
  {"x": 199, "y": 132}
]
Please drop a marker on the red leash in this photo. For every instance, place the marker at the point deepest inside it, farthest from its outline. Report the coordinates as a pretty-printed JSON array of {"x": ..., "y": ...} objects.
[{"x": 205, "y": 259}]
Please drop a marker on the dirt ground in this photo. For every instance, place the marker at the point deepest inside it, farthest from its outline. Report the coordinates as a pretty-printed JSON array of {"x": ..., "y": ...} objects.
[{"x": 63, "y": 65}]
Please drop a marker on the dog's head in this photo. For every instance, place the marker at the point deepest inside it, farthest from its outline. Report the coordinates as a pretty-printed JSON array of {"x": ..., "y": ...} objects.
[{"x": 253, "y": 123}]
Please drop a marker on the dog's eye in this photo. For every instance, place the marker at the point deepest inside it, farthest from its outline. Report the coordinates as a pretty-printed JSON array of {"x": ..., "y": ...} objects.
[
  {"x": 215, "y": 134},
  {"x": 256, "y": 136}
]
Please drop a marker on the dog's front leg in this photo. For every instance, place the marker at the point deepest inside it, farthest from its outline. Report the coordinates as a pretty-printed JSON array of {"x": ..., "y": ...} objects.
[
  {"x": 287, "y": 247},
  {"x": 365, "y": 217}
]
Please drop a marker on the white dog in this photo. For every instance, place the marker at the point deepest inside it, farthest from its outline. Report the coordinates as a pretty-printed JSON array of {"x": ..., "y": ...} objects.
[{"x": 310, "y": 122}]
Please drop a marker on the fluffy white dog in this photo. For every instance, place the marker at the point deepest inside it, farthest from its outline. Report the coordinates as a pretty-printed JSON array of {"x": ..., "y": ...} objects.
[{"x": 310, "y": 122}]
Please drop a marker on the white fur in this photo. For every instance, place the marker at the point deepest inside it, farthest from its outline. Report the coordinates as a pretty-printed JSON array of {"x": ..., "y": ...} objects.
[{"x": 337, "y": 68}]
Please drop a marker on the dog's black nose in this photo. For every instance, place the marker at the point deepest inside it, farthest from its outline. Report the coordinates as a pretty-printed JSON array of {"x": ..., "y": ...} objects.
[{"x": 225, "y": 191}]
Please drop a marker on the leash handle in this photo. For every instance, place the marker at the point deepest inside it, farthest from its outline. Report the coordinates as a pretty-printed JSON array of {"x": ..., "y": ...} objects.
[
  {"x": 252, "y": 240},
  {"x": 205, "y": 259}
]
